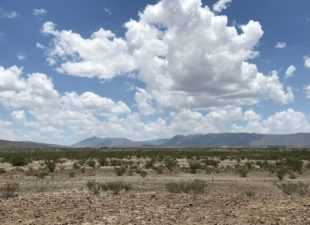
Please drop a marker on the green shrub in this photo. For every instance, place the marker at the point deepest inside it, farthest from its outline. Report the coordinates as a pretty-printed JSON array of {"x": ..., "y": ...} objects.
[
  {"x": 116, "y": 186},
  {"x": 170, "y": 163},
  {"x": 223, "y": 157},
  {"x": 292, "y": 175},
  {"x": 93, "y": 187},
  {"x": 116, "y": 162},
  {"x": 91, "y": 163},
  {"x": 72, "y": 174},
  {"x": 243, "y": 171},
  {"x": 103, "y": 161},
  {"x": 82, "y": 162},
  {"x": 281, "y": 172},
  {"x": 209, "y": 170},
  {"x": 51, "y": 164},
  {"x": 18, "y": 160},
  {"x": 120, "y": 171},
  {"x": 211, "y": 162},
  {"x": 142, "y": 173},
  {"x": 250, "y": 193},
  {"x": 150, "y": 164},
  {"x": 193, "y": 187},
  {"x": 249, "y": 165},
  {"x": 2, "y": 171},
  {"x": 83, "y": 169},
  {"x": 159, "y": 169},
  {"x": 194, "y": 165},
  {"x": 41, "y": 174},
  {"x": 130, "y": 171},
  {"x": 76, "y": 166},
  {"x": 295, "y": 188},
  {"x": 9, "y": 190},
  {"x": 294, "y": 164},
  {"x": 260, "y": 164}
]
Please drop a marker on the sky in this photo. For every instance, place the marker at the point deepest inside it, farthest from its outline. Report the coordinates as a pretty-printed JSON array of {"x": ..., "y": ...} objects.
[{"x": 146, "y": 69}]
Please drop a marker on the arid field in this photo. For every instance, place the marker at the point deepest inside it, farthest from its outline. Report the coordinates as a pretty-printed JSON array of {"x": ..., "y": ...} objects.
[{"x": 186, "y": 186}]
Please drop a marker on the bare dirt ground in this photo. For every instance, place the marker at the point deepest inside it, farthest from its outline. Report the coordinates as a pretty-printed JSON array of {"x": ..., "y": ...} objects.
[{"x": 59, "y": 199}]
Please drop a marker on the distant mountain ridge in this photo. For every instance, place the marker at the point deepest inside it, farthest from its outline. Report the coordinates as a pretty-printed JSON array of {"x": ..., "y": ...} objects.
[
  {"x": 95, "y": 142},
  {"x": 4, "y": 144},
  {"x": 205, "y": 140}
]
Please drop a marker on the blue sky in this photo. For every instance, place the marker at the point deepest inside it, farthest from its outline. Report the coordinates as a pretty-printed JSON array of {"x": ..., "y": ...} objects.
[{"x": 152, "y": 69}]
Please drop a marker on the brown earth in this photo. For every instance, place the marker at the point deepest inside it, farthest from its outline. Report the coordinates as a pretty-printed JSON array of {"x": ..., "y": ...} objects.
[{"x": 59, "y": 199}]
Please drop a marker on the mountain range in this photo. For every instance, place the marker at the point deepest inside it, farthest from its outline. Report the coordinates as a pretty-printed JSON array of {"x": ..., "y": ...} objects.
[
  {"x": 205, "y": 140},
  {"x": 4, "y": 144},
  {"x": 180, "y": 141}
]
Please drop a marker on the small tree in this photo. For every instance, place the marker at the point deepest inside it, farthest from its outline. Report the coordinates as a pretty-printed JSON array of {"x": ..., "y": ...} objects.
[
  {"x": 281, "y": 172},
  {"x": 91, "y": 163},
  {"x": 120, "y": 171},
  {"x": 243, "y": 171},
  {"x": 103, "y": 161},
  {"x": 51, "y": 164},
  {"x": 194, "y": 165},
  {"x": 170, "y": 163}
]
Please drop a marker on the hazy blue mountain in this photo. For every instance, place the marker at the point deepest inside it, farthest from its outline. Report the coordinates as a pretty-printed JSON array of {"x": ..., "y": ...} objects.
[
  {"x": 205, "y": 140},
  {"x": 296, "y": 140},
  {"x": 4, "y": 144},
  {"x": 223, "y": 139},
  {"x": 95, "y": 142}
]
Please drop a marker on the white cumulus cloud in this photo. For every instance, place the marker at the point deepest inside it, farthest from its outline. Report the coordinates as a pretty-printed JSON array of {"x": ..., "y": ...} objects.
[
  {"x": 102, "y": 55},
  {"x": 21, "y": 56},
  {"x": 280, "y": 45},
  {"x": 19, "y": 117},
  {"x": 307, "y": 61},
  {"x": 307, "y": 90},
  {"x": 290, "y": 71},
  {"x": 8, "y": 15},
  {"x": 39, "y": 12},
  {"x": 220, "y": 5},
  {"x": 187, "y": 56}
]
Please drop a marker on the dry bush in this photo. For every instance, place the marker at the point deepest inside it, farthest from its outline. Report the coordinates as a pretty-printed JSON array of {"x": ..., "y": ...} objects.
[
  {"x": 194, "y": 165},
  {"x": 116, "y": 186},
  {"x": 243, "y": 171},
  {"x": 120, "y": 171},
  {"x": 188, "y": 187},
  {"x": 9, "y": 190},
  {"x": 72, "y": 174},
  {"x": 93, "y": 187},
  {"x": 103, "y": 161},
  {"x": 39, "y": 173},
  {"x": 76, "y": 166},
  {"x": 171, "y": 163},
  {"x": 2, "y": 171},
  {"x": 159, "y": 169},
  {"x": 250, "y": 193},
  {"x": 300, "y": 189},
  {"x": 281, "y": 172},
  {"x": 142, "y": 173},
  {"x": 83, "y": 169},
  {"x": 292, "y": 175}
]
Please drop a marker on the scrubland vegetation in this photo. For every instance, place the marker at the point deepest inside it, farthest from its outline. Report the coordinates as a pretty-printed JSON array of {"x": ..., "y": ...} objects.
[{"x": 172, "y": 173}]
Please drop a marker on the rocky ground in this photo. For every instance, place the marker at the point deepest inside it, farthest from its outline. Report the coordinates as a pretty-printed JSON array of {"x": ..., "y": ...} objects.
[{"x": 62, "y": 200}]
